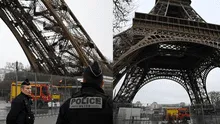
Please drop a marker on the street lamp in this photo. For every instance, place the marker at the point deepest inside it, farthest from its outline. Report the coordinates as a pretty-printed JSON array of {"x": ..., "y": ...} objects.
[{"x": 16, "y": 76}]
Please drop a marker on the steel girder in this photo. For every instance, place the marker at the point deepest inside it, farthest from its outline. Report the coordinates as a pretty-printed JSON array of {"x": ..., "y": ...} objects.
[
  {"x": 158, "y": 32},
  {"x": 50, "y": 35},
  {"x": 177, "y": 8},
  {"x": 183, "y": 49},
  {"x": 192, "y": 80},
  {"x": 135, "y": 81}
]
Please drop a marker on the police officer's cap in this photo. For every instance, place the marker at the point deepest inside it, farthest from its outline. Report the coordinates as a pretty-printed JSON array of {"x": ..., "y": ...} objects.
[
  {"x": 25, "y": 82},
  {"x": 93, "y": 71}
]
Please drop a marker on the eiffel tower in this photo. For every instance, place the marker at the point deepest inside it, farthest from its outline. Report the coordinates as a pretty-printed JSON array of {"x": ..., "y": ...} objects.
[
  {"x": 170, "y": 42},
  {"x": 51, "y": 37}
]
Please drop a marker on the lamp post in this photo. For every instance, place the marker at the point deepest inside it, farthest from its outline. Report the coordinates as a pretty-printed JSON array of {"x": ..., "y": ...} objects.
[
  {"x": 35, "y": 99},
  {"x": 16, "y": 77}
]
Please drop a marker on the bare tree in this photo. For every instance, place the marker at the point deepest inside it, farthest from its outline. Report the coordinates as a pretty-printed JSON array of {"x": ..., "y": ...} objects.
[
  {"x": 27, "y": 68},
  {"x": 121, "y": 11},
  {"x": 12, "y": 66},
  {"x": 214, "y": 97}
]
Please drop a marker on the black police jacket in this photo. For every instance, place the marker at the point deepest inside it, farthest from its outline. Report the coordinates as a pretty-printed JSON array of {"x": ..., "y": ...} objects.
[
  {"x": 20, "y": 108},
  {"x": 89, "y": 106}
]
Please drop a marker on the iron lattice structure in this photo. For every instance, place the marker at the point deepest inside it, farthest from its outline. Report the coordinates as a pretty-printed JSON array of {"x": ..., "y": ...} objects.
[
  {"x": 171, "y": 42},
  {"x": 51, "y": 37}
]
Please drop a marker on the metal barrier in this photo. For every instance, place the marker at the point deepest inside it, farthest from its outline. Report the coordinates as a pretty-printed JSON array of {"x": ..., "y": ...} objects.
[{"x": 48, "y": 91}]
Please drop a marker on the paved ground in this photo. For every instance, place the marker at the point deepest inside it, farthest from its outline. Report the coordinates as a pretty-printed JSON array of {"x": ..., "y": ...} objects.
[
  {"x": 44, "y": 116},
  {"x": 46, "y": 120},
  {"x": 41, "y": 120}
]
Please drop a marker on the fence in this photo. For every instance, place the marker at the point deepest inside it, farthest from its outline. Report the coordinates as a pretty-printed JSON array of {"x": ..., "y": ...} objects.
[
  {"x": 205, "y": 114},
  {"x": 128, "y": 113},
  {"x": 119, "y": 120},
  {"x": 199, "y": 114},
  {"x": 49, "y": 91}
]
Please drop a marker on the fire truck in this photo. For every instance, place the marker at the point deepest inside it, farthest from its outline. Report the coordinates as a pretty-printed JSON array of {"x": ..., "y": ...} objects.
[
  {"x": 183, "y": 113},
  {"x": 42, "y": 93},
  {"x": 179, "y": 114}
]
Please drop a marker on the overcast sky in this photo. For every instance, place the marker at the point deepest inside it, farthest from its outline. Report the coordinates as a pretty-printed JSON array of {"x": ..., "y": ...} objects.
[
  {"x": 166, "y": 91},
  {"x": 94, "y": 15}
]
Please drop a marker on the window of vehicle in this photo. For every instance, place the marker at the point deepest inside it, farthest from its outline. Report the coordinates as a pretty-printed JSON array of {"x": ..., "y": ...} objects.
[
  {"x": 44, "y": 90},
  {"x": 35, "y": 89}
]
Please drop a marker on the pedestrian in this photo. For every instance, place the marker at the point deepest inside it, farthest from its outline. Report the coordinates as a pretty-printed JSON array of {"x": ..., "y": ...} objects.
[
  {"x": 90, "y": 105},
  {"x": 20, "y": 112}
]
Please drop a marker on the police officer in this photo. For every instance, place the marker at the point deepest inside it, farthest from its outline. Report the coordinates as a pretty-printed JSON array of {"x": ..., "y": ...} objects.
[
  {"x": 90, "y": 105},
  {"x": 20, "y": 112}
]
